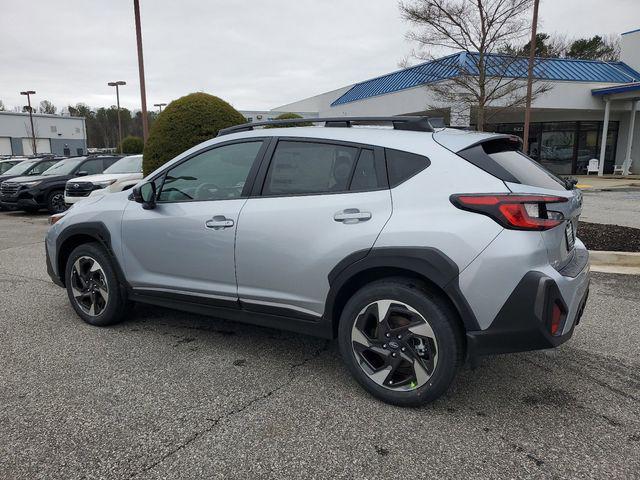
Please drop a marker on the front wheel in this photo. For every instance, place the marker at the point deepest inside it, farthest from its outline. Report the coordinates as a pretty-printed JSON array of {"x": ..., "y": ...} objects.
[
  {"x": 55, "y": 202},
  {"x": 93, "y": 287},
  {"x": 401, "y": 341}
]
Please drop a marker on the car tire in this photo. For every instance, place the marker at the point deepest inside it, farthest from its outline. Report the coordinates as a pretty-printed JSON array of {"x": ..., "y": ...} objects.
[
  {"x": 93, "y": 287},
  {"x": 55, "y": 202},
  {"x": 409, "y": 371}
]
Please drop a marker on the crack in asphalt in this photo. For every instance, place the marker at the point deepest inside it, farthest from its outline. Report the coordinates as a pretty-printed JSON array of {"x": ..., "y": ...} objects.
[{"x": 216, "y": 421}]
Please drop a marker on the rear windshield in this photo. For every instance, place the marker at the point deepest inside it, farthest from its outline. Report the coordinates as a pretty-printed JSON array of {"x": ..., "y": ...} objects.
[{"x": 503, "y": 160}]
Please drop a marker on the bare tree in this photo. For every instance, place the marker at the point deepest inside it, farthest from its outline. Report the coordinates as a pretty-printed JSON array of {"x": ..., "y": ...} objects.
[
  {"x": 481, "y": 28},
  {"x": 47, "y": 107}
]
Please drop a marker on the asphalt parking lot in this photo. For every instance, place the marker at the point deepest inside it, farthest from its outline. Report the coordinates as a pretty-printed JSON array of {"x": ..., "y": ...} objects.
[{"x": 174, "y": 395}]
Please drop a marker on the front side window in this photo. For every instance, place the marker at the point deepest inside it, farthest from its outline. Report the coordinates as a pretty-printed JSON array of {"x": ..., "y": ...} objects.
[
  {"x": 216, "y": 174},
  {"x": 309, "y": 168}
]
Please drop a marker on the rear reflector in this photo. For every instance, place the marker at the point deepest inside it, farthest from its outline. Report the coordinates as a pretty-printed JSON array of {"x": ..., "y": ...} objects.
[
  {"x": 557, "y": 316},
  {"x": 513, "y": 211}
]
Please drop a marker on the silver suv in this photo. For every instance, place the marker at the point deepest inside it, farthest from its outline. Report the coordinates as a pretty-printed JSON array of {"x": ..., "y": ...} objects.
[{"x": 419, "y": 248}]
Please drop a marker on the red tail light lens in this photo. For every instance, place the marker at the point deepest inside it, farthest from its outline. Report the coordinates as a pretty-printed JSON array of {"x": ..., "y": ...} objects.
[
  {"x": 557, "y": 316},
  {"x": 516, "y": 212}
]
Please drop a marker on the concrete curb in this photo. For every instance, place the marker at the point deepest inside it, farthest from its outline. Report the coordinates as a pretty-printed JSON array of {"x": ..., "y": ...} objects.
[{"x": 615, "y": 262}]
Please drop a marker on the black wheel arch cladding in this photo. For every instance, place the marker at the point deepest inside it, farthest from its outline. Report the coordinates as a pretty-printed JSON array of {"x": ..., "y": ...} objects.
[
  {"x": 428, "y": 263},
  {"x": 75, "y": 235}
]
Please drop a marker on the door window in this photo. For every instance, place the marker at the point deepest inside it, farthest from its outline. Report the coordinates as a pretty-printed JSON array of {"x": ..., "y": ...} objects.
[
  {"x": 309, "y": 168},
  {"x": 216, "y": 174},
  {"x": 366, "y": 175}
]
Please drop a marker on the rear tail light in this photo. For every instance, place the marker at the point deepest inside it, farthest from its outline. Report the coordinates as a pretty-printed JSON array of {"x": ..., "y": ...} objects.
[{"x": 513, "y": 211}]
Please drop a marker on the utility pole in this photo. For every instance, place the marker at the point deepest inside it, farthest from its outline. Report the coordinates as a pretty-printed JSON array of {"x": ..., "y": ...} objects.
[
  {"x": 28, "y": 93},
  {"x": 117, "y": 84},
  {"x": 159, "y": 105},
  {"x": 143, "y": 93},
  {"x": 532, "y": 58}
]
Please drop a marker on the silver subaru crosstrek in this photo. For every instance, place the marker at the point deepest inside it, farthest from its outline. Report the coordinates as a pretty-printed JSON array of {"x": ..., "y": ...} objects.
[{"x": 419, "y": 248}]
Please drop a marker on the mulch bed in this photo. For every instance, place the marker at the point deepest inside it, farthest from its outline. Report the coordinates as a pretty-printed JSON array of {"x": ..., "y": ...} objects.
[{"x": 598, "y": 236}]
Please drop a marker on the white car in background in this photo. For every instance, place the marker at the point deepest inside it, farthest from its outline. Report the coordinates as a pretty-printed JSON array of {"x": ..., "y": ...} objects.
[{"x": 122, "y": 175}]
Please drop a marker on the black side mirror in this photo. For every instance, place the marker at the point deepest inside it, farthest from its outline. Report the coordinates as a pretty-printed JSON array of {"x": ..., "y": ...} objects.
[
  {"x": 82, "y": 173},
  {"x": 145, "y": 194}
]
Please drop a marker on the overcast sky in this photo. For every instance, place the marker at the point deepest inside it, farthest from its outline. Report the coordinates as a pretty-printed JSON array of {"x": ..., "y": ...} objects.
[{"x": 256, "y": 54}]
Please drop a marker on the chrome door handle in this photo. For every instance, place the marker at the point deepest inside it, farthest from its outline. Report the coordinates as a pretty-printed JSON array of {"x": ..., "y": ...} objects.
[
  {"x": 352, "y": 215},
  {"x": 219, "y": 222}
]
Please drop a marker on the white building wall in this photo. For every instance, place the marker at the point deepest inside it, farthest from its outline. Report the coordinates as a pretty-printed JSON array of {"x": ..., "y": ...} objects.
[
  {"x": 17, "y": 125},
  {"x": 630, "y": 49}
]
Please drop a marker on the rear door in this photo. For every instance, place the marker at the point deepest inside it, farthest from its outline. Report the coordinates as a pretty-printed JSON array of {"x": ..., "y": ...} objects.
[{"x": 318, "y": 202}]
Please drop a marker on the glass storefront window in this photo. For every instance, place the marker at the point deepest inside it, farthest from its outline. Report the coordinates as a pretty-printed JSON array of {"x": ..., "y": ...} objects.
[
  {"x": 556, "y": 146},
  {"x": 565, "y": 148}
]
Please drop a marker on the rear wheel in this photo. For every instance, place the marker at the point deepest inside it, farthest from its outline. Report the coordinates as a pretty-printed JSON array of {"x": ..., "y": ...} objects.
[
  {"x": 55, "y": 202},
  {"x": 93, "y": 287},
  {"x": 401, "y": 341}
]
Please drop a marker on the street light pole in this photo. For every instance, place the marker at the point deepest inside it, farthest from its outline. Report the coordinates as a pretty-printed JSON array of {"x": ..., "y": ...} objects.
[
  {"x": 159, "y": 105},
  {"x": 28, "y": 93},
  {"x": 117, "y": 85},
  {"x": 143, "y": 92},
  {"x": 532, "y": 57}
]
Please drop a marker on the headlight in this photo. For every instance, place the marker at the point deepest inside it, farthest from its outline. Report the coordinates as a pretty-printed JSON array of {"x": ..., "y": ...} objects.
[
  {"x": 104, "y": 184},
  {"x": 31, "y": 184}
]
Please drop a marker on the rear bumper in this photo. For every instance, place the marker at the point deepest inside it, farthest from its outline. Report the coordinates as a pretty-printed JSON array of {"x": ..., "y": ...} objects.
[{"x": 523, "y": 322}]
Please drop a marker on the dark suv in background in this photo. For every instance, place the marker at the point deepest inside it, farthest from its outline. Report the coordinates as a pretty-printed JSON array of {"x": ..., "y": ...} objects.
[{"x": 34, "y": 192}]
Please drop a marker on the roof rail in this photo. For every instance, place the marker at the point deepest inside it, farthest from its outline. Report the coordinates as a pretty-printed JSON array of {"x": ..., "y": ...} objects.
[{"x": 412, "y": 123}]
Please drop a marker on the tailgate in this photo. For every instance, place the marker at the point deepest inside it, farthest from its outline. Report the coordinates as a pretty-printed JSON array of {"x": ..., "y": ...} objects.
[{"x": 560, "y": 240}]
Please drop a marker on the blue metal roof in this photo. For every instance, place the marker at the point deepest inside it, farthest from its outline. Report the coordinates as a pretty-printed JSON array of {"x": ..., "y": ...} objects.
[
  {"x": 629, "y": 87},
  {"x": 464, "y": 63}
]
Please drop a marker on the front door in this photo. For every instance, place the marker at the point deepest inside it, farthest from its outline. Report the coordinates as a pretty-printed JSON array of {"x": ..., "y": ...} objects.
[
  {"x": 186, "y": 244},
  {"x": 320, "y": 202}
]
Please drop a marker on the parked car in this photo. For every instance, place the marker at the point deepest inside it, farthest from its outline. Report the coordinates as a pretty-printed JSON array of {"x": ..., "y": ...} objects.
[
  {"x": 26, "y": 167},
  {"x": 122, "y": 175},
  {"x": 416, "y": 247},
  {"x": 35, "y": 192}
]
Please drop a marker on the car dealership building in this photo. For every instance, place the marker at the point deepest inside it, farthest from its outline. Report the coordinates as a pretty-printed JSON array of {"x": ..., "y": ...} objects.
[
  {"x": 56, "y": 134},
  {"x": 590, "y": 110}
]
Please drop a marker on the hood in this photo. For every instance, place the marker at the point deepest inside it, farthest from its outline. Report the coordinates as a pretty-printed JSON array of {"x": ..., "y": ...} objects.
[
  {"x": 103, "y": 177},
  {"x": 40, "y": 178}
]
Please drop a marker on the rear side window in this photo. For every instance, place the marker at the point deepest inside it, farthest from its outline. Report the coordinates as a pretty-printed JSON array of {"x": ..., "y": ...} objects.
[
  {"x": 403, "y": 165},
  {"x": 309, "y": 168},
  {"x": 503, "y": 160}
]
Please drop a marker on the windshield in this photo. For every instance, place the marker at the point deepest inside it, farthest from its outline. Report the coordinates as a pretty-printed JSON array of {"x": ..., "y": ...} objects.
[
  {"x": 132, "y": 164},
  {"x": 64, "y": 167},
  {"x": 20, "y": 168},
  {"x": 4, "y": 166}
]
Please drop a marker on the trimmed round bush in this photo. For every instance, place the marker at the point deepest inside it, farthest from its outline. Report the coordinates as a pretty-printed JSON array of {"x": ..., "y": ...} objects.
[
  {"x": 184, "y": 123},
  {"x": 287, "y": 116},
  {"x": 132, "y": 145}
]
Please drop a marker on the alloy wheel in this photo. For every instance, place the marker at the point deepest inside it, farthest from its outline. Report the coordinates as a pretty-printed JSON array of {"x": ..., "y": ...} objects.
[
  {"x": 89, "y": 286},
  {"x": 394, "y": 345},
  {"x": 57, "y": 203}
]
